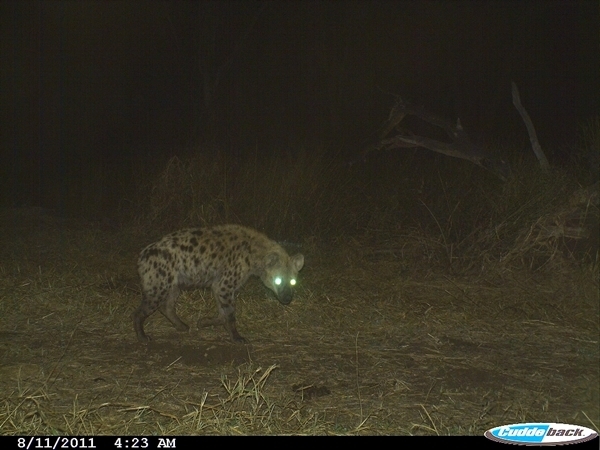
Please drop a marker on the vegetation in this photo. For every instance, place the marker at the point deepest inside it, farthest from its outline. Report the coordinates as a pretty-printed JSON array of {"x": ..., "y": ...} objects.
[{"x": 436, "y": 299}]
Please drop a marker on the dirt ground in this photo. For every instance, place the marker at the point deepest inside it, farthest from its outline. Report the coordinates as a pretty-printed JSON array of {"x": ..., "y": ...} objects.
[{"x": 373, "y": 343}]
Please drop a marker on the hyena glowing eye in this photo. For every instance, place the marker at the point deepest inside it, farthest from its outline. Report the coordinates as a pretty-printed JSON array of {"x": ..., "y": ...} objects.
[
  {"x": 293, "y": 282},
  {"x": 278, "y": 281}
]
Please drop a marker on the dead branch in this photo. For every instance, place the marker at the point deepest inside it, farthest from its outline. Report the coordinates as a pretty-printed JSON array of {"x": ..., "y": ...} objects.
[
  {"x": 460, "y": 146},
  {"x": 535, "y": 145}
]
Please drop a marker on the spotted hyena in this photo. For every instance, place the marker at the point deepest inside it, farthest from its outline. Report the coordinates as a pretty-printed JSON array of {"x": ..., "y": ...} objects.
[{"x": 222, "y": 257}]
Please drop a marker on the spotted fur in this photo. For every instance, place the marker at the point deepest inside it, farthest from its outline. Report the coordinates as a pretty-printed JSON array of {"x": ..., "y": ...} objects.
[{"x": 221, "y": 257}]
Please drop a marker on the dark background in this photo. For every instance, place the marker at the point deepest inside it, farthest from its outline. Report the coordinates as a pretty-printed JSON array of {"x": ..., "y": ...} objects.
[{"x": 85, "y": 83}]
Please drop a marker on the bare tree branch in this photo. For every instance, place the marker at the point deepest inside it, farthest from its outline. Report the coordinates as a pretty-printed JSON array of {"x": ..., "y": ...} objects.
[
  {"x": 461, "y": 146},
  {"x": 535, "y": 145}
]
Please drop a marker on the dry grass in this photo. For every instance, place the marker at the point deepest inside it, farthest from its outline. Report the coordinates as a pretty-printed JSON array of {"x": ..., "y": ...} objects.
[
  {"x": 381, "y": 339},
  {"x": 307, "y": 193},
  {"x": 446, "y": 303}
]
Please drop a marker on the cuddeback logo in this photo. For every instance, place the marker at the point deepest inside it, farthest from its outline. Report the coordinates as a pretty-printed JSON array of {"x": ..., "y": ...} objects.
[{"x": 540, "y": 434}]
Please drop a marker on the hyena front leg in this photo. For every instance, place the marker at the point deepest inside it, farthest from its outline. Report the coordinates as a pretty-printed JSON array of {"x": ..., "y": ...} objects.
[
  {"x": 229, "y": 313},
  {"x": 226, "y": 306}
]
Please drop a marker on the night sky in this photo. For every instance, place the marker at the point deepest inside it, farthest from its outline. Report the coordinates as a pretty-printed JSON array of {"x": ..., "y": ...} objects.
[{"x": 132, "y": 79}]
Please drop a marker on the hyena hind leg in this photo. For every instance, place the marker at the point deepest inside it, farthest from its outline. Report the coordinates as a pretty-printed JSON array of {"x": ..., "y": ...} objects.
[
  {"x": 168, "y": 310},
  {"x": 139, "y": 316},
  {"x": 148, "y": 306}
]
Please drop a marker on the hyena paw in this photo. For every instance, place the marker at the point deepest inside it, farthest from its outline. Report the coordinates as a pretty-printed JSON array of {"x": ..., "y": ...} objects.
[
  {"x": 203, "y": 323},
  {"x": 239, "y": 339},
  {"x": 182, "y": 327},
  {"x": 145, "y": 339}
]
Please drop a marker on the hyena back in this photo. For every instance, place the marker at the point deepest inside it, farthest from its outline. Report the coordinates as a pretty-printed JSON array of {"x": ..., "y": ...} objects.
[{"x": 222, "y": 257}]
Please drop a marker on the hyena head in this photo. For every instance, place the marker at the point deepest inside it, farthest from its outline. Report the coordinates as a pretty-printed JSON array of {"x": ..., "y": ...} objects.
[{"x": 280, "y": 274}]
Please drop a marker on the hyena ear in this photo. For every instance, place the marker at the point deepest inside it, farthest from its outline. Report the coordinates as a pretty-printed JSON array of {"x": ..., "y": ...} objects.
[
  {"x": 272, "y": 260},
  {"x": 297, "y": 261}
]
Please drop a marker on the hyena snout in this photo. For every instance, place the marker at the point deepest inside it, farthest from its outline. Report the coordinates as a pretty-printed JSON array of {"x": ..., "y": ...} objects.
[{"x": 285, "y": 295}]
